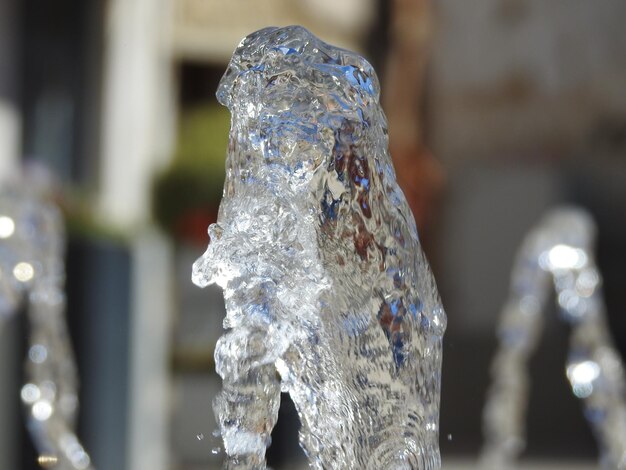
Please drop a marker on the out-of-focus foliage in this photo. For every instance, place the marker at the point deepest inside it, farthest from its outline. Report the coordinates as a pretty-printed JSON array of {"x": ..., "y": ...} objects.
[
  {"x": 81, "y": 220},
  {"x": 186, "y": 195},
  {"x": 203, "y": 138}
]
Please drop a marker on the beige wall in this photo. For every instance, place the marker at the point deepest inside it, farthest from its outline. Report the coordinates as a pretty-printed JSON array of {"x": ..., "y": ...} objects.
[
  {"x": 209, "y": 30},
  {"x": 513, "y": 76}
]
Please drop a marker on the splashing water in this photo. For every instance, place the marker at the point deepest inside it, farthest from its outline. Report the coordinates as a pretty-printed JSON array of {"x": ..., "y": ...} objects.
[
  {"x": 32, "y": 244},
  {"x": 557, "y": 254},
  {"x": 328, "y": 294}
]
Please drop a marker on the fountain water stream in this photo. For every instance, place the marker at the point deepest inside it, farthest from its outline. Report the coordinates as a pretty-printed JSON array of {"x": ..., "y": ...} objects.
[
  {"x": 557, "y": 255},
  {"x": 329, "y": 296},
  {"x": 32, "y": 266}
]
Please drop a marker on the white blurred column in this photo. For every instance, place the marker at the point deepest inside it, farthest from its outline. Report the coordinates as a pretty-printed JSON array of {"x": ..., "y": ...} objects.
[
  {"x": 138, "y": 122},
  {"x": 9, "y": 132},
  {"x": 9, "y": 111},
  {"x": 149, "y": 412},
  {"x": 138, "y": 125}
]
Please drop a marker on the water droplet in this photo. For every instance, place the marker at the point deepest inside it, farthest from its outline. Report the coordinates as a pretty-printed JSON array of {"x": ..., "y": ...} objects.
[
  {"x": 47, "y": 461},
  {"x": 200, "y": 436},
  {"x": 23, "y": 271},
  {"x": 216, "y": 450},
  {"x": 449, "y": 437},
  {"x": 38, "y": 353},
  {"x": 7, "y": 226},
  {"x": 30, "y": 393},
  {"x": 42, "y": 410}
]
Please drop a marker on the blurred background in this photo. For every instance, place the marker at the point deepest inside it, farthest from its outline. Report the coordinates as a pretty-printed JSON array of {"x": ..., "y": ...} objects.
[{"x": 498, "y": 110}]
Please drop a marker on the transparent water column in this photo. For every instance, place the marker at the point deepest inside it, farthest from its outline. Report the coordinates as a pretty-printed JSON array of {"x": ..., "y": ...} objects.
[
  {"x": 556, "y": 258},
  {"x": 32, "y": 271},
  {"x": 329, "y": 296}
]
